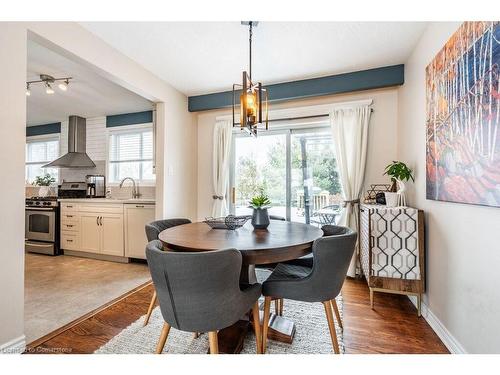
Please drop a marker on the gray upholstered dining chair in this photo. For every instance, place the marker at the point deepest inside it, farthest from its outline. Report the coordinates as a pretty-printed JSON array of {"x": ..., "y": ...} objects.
[
  {"x": 307, "y": 261},
  {"x": 153, "y": 230},
  {"x": 321, "y": 283},
  {"x": 328, "y": 230},
  {"x": 200, "y": 292}
]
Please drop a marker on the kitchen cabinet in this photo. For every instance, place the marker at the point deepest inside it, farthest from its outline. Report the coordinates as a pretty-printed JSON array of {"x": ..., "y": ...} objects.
[
  {"x": 90, "y": 233},
  {"x": 111, "y": 234},
  {"x": 101, "y": 233},
  {"x": 104, "y": 227},
  {"x": 136, "y": 218}
]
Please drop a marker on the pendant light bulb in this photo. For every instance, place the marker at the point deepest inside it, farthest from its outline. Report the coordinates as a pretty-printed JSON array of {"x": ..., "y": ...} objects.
[
  {"x": 64, "y": 85},
  {"x": 48, "y": 89},
  {"x": 28, "y": 91}
]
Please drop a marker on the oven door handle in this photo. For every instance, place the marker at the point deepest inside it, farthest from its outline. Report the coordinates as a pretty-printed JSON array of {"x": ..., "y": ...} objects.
[{"x": 38, "y": 209}]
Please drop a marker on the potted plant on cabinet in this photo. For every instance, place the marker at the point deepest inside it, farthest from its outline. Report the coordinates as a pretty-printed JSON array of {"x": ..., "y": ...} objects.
[
  {"x": 399, "y": 172},
  {"x": 260, "y": 217},
  {"x": 44, "y": 183}
]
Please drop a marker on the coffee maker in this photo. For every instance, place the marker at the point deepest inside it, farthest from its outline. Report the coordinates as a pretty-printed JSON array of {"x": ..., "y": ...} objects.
[{"x": 96, "y": 186}]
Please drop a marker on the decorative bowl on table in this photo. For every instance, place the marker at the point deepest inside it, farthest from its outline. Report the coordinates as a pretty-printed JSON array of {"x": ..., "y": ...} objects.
[{"x": 230, "y": 222}]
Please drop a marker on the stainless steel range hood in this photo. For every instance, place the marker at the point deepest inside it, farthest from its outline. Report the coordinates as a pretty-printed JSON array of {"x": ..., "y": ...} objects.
[{"x": 77, "y": 140}]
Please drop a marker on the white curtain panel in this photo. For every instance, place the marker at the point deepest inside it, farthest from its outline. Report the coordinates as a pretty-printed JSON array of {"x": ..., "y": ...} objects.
[
  {"x": 223, "y": 132},
  {"x": 350, "y": 137}
]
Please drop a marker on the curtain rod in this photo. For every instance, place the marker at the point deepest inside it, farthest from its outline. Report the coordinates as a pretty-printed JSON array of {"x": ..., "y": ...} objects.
[{"x": 298, "y": 118}]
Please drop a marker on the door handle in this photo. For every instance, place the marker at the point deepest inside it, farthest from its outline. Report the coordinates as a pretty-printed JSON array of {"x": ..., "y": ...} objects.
[
  {"x": 97, "y": 220},
  {"x": 100, "y": 221}
]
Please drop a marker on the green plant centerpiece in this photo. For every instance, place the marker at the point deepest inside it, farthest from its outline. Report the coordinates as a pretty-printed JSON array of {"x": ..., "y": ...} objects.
[
  {"x": 260, "y": 217},
  {"x": 44, "y": 180},
  {"x": 398, "y": 171}
]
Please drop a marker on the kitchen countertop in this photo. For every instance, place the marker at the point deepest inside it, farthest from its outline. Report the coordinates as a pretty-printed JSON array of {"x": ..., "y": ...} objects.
[{"x": 109, "y": 200}]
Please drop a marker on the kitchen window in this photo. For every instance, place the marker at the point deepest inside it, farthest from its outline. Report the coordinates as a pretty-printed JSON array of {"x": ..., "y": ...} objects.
[
  {"x": 40, "y": 151},
  {"x": 131, "y": 154}
]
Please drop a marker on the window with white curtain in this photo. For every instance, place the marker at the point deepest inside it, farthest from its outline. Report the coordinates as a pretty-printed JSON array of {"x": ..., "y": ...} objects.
[
  {"x": 131, "y": 154},
  {"x": 40, "y": 151}
]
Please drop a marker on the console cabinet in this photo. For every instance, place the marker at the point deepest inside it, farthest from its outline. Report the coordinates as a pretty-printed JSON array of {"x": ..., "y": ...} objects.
[{"x": 392, "y": 250}]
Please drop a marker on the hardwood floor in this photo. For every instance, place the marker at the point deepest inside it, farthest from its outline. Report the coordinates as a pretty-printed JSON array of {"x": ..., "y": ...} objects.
[{"x": 393, "y": 327}]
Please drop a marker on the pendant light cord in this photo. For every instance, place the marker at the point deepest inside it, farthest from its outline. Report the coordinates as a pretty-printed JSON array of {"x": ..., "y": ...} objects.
[{"x": 250, "y": 42}]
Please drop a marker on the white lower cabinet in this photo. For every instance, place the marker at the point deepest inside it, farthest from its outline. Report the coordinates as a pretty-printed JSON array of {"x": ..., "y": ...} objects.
[
  {"x": 93, "y": 228},
  {"x": 136, "y": 218},
  {"x": 90, "y": 233},
  {"x": 112, "y": 234}
]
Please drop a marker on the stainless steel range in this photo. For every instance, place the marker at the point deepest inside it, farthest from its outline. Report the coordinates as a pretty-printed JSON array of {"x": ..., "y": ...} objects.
[{"x": 42, "y": 225}]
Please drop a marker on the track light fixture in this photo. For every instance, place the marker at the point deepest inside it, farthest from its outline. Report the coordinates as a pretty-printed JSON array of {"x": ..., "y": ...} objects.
[{"x": 47, "y": 81}]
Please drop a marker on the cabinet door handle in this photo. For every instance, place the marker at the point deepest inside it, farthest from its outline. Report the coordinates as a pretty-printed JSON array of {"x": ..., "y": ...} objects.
[
  {"x": 68, "y": 206},
  {"x": 69, "y": 240},
  {"x": 69, "y": 215},
  {"x": 136, "y": 206},
  {"x": 69, "y": 225},
  {"x": 100, "y": 221},
  {"x": 97, "y": 220}
]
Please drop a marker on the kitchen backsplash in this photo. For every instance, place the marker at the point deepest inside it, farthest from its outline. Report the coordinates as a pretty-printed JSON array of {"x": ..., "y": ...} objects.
[{"x": 78, "y": 174}]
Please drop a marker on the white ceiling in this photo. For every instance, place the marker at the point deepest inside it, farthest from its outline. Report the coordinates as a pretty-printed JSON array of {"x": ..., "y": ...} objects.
[
  {"x": 88, "y": 95},
  {"x": 203, "y": 57}
]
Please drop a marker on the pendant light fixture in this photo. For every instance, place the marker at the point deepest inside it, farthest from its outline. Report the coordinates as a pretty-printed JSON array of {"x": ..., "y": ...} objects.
[{"x": 253, "y": 97}]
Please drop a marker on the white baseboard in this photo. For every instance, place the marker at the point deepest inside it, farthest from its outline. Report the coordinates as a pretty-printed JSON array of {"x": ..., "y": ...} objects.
[
  {"x": 446, "y": 337},
  {"x": 15, "y": 346}
]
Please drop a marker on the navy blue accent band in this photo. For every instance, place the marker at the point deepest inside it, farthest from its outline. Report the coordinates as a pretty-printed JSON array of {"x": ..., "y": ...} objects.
[
  {"x": 53, "y": 128},
  {"x": 129, "y": 119},
  {"x": 340, "y": 83}
]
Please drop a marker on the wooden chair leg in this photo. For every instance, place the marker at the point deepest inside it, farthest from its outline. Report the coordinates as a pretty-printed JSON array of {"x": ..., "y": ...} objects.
[
  {"x": 150, "y": 309},
  {"x": 163, "y": 338},
  {"x": 265, "y": 323},
  {"x": 256, "y": 327},
  {"x": 371, "y": 298},
  {"x": 281, "y": 306},
  {"x": 277, "y": 306},
  {"x": 337, "y": 313},
  {"x": 214, "y": 344},
  {"x": 331, "y": 326}
]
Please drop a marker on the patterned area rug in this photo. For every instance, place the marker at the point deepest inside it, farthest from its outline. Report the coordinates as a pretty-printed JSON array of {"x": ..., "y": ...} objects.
[{"x": 311, "y": 337}]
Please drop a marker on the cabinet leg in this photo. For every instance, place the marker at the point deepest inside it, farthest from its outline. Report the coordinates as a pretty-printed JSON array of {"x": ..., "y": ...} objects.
[{"x": 419, "y": 304}]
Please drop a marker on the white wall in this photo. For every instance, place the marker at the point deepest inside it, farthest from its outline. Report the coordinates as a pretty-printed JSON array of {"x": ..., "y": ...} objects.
[
  {"x": 382, "y": 146},
  {"x": 176, "y": 142},
  {"x": 12, "y": 154},
  {"x": 463, "y": 241}
]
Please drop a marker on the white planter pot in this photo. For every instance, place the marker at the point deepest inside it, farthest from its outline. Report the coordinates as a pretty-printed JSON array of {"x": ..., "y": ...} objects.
[
  {"x": 391, "y": 199},
  {"x": 44, "y": 191}
]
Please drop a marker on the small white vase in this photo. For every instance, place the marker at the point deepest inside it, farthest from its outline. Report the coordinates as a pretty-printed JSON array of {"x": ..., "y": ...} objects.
[
  {"x": 391, "y": 199},
  {"x": 401, "y": 193}
]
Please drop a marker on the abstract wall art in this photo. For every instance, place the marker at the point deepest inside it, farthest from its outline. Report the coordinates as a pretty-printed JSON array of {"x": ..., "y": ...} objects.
[{"x": 463, "y": 109}]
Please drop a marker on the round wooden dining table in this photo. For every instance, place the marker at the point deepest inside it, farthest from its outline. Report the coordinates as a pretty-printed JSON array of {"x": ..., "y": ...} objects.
[{"x": 280, "y": 242}]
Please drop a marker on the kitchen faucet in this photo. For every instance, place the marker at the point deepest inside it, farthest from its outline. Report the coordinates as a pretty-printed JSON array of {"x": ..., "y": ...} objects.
[{"x": 135, "y": 193}]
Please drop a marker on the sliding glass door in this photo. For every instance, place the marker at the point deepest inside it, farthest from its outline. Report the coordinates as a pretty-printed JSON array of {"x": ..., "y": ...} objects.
[
  {"x": 295, "y": 167},
  {"x": 260, "y": 166}
]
